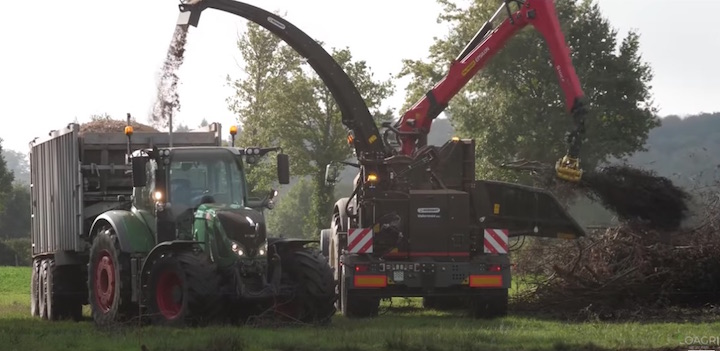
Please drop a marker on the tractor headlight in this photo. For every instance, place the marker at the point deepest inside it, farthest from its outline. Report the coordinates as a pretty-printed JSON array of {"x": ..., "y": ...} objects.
[
  {"x": 237, "y": 249},
  {"x": 262, "y": 251}
]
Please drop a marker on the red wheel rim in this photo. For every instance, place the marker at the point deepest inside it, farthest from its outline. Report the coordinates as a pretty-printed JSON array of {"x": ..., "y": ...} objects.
[
  {"x": 104, "y": 287},
  {"x": 169, "y": 295}
]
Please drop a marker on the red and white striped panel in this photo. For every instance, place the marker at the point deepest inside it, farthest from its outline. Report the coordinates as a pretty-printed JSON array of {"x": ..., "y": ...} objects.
[
  {"x": 360, "y": 240},
  {"x": 496, "y": 241}
]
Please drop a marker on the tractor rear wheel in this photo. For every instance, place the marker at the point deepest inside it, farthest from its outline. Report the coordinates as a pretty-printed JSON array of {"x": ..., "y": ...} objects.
[
  {"x": 183, "y": 290},
  {"x": 109, "y": 291},
  {"x": 314, "y": 299},
  {"x": 489, "y": 304}
]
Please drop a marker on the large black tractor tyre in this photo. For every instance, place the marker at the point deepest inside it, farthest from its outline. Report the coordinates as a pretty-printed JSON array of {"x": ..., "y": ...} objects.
[
  {"x": 184, "y": 290},
  {"x": 354, "y": 306},
  {"x": 314, "y": 299},
  {"x": 35, "y": 288},
  {"x": 60, "y": 302},
  {"x": 109, "y": 281},
  {"x": 491, "y": 303}
]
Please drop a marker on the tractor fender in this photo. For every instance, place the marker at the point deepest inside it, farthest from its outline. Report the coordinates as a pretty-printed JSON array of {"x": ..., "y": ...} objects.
[
  {"x": 157, "y": 251},
  {"x": 132, "y": 233}
]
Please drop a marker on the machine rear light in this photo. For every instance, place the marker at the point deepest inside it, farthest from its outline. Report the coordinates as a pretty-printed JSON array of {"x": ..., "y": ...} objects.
[
  {"x": 495, "y": 268},
  {"x": 361, "y": 268},
  {"x": 370, "y": 281},
  {"x": 486, "y": 281}
]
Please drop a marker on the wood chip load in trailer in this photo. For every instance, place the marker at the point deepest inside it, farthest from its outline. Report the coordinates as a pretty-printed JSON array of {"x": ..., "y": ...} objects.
[{"x": 76, "y": 175}]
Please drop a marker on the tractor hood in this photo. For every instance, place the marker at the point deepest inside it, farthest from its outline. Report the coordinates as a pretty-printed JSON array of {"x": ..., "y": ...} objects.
[{"x": 243, "y": 225}]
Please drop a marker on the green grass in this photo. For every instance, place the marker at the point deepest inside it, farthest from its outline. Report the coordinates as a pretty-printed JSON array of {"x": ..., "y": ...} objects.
[{"x": 406, "y": 327}]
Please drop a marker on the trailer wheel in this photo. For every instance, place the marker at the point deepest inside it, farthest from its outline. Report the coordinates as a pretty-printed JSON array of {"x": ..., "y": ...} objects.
[
  {"x": 61, "y": 302},
  {"x": 42, "y": 289},
  {"x": 183, "y": 289},
  {"x": 490, "y": 304},
  {"x": 109, "y": 292},
  {"x": 53, "y": 308},
  {"x": 314, "y": 298},
  {"x": 35, "y": 289}
]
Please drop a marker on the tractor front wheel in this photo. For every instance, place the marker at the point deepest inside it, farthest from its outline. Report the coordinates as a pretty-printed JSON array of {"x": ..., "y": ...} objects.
[
  {"x": 314, "y": 299},
  {"x": 183, "y": 290}
]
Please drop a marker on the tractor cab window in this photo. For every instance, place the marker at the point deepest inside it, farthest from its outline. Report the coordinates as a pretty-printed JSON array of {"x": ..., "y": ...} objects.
[
  {"x": 204, "y": 177},
  {"x": 143, "y": 196}
]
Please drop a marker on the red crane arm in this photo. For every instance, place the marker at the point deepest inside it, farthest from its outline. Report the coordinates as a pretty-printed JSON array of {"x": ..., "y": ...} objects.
[{"x": 541, "y": 14}]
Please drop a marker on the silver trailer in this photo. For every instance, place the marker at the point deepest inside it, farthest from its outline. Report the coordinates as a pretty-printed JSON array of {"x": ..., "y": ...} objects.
[{"x": 74, "y": 178}]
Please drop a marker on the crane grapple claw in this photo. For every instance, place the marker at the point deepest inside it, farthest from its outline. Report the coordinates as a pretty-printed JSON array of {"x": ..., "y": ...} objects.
[{"x": 568, "y": 168}]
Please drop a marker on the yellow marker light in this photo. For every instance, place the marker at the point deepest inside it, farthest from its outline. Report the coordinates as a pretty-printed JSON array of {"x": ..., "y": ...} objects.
[
  {"x": 350, "y": 139},
  {"x": 372, "y": 178},
  {"x": 455, "y": 139},
  {"x": 157, "y": 196},
  {"x": 233, "y": 130},
  {"x": 128, "y": 130}
]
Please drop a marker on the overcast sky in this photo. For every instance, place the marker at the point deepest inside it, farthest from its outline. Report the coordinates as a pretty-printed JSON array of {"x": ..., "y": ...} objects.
[{"x": 65, "y": 60}]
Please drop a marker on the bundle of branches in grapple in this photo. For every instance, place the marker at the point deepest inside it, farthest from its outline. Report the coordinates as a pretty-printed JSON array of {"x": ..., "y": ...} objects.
[{"x": 632, "y": 267}]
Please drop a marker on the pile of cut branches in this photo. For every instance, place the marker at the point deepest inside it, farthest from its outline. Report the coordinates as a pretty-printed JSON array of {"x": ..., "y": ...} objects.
[
  {"x": 632, "y": 268},
  {"x": 113, "y": 126}
]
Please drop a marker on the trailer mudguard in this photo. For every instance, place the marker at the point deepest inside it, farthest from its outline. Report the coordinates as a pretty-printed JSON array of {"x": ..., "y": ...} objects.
[{"x": 132, "y": 232}]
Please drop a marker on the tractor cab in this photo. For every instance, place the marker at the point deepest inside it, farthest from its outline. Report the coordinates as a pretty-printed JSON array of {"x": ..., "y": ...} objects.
[{"x": 175, "y": 186}]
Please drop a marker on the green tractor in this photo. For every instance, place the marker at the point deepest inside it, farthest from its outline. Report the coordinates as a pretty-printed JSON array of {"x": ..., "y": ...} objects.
[{"x": 193, "y": 248}]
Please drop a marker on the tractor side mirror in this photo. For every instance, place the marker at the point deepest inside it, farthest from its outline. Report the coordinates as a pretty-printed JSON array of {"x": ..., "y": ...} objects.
[
  {"x": 283, "y": 168},
  {"x": 332, "y": 172},
  {"x": 266, "y": 202},
  {"x": 139, "y": 177}
]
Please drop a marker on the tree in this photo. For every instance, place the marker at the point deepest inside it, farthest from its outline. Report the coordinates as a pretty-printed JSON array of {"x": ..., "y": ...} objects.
[
  {"x": 514, "y": 107},
  {"x": 17, "y": 162},
  {"x": 15, "y": 217},
  {"x": 6, "y": 180},
  {"x": 281, "y": 102},
  {"x": 289, "y": 217}
]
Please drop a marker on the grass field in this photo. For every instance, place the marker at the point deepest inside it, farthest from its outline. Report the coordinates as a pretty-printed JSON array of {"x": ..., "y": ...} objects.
[{"x": 405, "y": 329}]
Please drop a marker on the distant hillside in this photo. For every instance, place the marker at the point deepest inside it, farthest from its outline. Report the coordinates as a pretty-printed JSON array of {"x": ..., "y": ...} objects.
[{"x": 684, "y": 150}]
